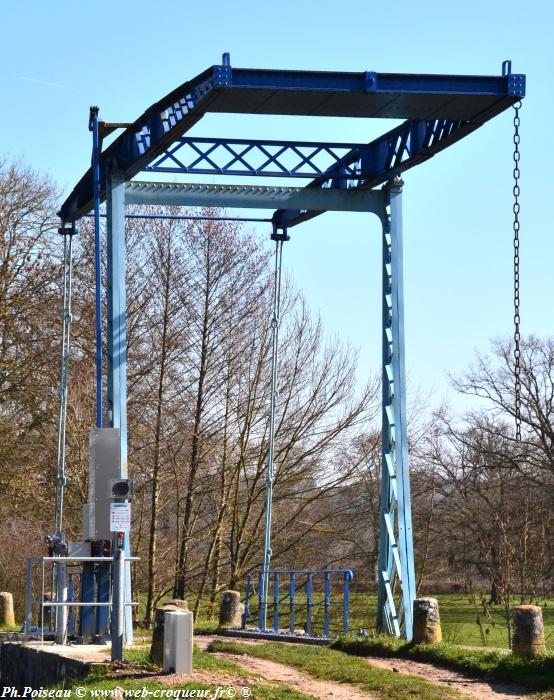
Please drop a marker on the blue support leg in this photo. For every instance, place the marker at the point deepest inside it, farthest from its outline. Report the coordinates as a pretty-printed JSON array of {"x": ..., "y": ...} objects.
[
  {"x": 94, "y": 127},
  {"x": 405, "y": 535},
  {"x": 387, "y": 620},
  {"x": 396, "y": 555},
  {"x": 86, "y": 620},
  {"x": 117, "y": 346},
  {"x": 104, "y": 595}
]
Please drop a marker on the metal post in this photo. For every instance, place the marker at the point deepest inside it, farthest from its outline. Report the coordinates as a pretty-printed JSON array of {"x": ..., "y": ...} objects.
[
  {"x": 309, "y": 604},
  {"x": 117, "y": 345},
  {"x": 42, "y": 605},
  {"x": 405, "y": 536},
  {"x": 61, "y": 597},
  {"x": 118, "y": 605},
  {"x": 276, "y": 602},
  {"x": 279, "y": 239},
  {"x": 327, "y": 606},
  {"x": 246, "y": 613},
  {"x": 387, "y": 619},
  {"x": 71, "y": 599},
  {"x": 94, "y": 127},
  {"x": 396, "y": 555},
  {"x": 61, "y": 480},
  {"x": 261, "y": 601},
  {"x": 348, "y": 576},
  {"x": 28, "y": 624},
  {"x": 292, "y": 595}
]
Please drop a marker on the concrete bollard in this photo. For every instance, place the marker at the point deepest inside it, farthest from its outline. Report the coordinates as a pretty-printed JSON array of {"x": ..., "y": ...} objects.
[
  {"x": 157, "y": 646},
  {"x": 528, "y": 637},
  {"x": 178, "y": 642},
  {"x": 427, "y": 623},
  {"x": 7, "y": 617},
  {"x": 230, "y": 609}
]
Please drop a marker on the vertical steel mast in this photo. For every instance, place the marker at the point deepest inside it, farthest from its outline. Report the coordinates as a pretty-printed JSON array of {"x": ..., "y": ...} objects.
[
  {"x": 396, "y": 550},
  {"x": 94, "y": 127},
  {"x": 279, "y": 239},
  {"x": 61, "y": 480}
]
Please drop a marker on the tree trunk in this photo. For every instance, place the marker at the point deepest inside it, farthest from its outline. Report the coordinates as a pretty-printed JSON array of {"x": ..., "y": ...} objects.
[
  {"x": 152, "y": 544},
  {"x": 180, "y": 579}
]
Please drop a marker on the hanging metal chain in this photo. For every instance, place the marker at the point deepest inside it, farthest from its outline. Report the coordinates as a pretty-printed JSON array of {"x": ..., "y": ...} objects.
[{"x": 517, "y": 319}]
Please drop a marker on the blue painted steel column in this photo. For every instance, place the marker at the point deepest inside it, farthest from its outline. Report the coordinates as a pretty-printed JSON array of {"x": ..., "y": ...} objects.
[
  {"x": 348, "y": 576},
  {"x": 94, "y": 126},
  {"x": 396, "y": 554},
  {"x": 405, "y": 534},
  {"x": 103, "y": 578},
  {"x": 86, "y": 619},
  {"x": 387, "y": 618},
  {"x": 117, "y": 344},
  {"x": 292, "y": 596}
]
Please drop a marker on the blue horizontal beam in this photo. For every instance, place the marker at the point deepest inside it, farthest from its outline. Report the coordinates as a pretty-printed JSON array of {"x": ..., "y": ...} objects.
[
  {"x": 371, "y": 82},
  {"x": 222, "y": 88},
  {"x": 168, "y": 194},
  {"x": 191, "y": 217}
]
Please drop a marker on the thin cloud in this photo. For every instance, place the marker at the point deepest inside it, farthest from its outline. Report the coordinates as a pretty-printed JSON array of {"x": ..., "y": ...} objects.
[{"x": 46, "y": 82}]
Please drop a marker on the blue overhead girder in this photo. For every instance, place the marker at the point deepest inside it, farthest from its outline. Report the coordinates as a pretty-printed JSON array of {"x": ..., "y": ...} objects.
[{"x": 438, "y": 109}]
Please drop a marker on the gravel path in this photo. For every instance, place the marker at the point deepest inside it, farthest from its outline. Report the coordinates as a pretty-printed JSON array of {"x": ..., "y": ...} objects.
[
  {"x": 471, "y": 687},
  {"x": 273, "y": 671},
  {"x": 477, "y": 689}
]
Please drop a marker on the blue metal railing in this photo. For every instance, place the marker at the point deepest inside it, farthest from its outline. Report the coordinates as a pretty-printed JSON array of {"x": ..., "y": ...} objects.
[{"x": 306, "y": 577}]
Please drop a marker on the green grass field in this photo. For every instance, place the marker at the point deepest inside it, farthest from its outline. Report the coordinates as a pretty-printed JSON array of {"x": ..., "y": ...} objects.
[{"x": 458, "y": 618}]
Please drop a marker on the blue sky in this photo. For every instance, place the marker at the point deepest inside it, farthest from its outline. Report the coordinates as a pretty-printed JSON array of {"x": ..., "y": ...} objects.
[{"x": 60, "y": 57}]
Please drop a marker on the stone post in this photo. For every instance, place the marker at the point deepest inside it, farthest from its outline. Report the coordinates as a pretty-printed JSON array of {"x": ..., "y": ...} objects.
[
  {"x": 7, "y": 618},
  {"x": 157, "y": 647},
  {"x": 231, "y": 609},
  {"x": 427, "y": 624},
  {"x": 528, "y": 637}
]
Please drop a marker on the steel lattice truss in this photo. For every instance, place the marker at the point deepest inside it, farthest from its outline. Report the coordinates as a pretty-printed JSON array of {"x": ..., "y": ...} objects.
[
  {"x": 257, "y": 158},
  {"x": 356, "y": 164}
]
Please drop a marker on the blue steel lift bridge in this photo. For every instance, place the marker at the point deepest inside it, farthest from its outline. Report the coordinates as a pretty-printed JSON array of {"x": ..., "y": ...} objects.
[{"x": 437, "y": 111}]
